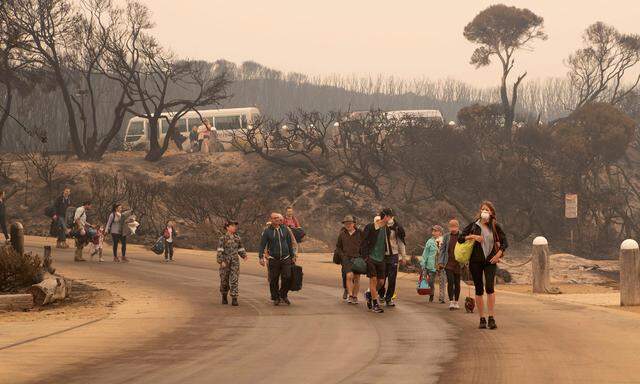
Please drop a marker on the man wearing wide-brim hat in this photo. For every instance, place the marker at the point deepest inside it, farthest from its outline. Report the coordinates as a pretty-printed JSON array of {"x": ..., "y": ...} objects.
[{"x": 348, "y": 248}]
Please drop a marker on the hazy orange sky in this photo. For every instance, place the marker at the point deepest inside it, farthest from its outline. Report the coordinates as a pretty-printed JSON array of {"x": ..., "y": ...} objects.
[{"x": 404, "y": 38}]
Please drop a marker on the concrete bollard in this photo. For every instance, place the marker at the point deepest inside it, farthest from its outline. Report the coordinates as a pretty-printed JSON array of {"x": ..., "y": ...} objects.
[
  {"x": 540, "y": 265},
  {"x": 629, "y": 273}
]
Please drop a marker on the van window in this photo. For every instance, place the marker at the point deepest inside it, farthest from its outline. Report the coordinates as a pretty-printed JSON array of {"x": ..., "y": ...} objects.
[
  {"x": 181, "y": 125},
  {"x": 136, "y": 128},
  {"x": 194, "y": 122},
  {"x": 224, "y": 123},
  {"x": 163, "y": 127}
]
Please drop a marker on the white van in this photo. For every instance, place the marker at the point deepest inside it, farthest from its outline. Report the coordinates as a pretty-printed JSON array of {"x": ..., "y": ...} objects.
[{"x": 225, "y": 121}]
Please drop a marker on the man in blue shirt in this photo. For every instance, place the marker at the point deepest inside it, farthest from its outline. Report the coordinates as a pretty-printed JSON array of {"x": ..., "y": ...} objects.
[{"x": 278, "y": 243}]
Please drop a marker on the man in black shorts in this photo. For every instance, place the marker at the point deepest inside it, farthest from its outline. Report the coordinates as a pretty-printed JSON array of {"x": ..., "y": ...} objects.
[{"x": 372, "y": 251}]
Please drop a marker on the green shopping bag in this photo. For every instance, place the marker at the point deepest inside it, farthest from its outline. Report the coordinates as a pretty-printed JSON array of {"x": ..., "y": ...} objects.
[
  {"x": 359, "y": 266},
  {"x": 463, "y": 251}
]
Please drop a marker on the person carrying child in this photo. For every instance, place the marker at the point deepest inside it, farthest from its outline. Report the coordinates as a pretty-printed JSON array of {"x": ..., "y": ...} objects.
[
  {"x": 230, "y": 250},
  {"x": 429, "y": 256}
]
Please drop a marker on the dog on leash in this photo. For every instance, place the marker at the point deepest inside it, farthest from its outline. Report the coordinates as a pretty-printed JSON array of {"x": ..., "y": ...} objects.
[{"x": 469, "y": 304}]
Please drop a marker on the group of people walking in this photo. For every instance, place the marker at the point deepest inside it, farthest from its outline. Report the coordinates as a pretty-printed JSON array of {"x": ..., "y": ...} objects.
[
  {"x": 375, "y": 251},
  {"x": 381, "y": 245}
]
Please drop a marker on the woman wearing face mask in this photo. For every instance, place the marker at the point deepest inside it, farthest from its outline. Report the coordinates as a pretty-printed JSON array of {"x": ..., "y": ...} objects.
[{"x": 489, "y": 247}]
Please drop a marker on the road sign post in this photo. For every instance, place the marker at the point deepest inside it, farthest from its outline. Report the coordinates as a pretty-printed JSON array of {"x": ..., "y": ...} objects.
[
  {"x": 629, "y": 273},
  {"x": 571, "y": 213}
]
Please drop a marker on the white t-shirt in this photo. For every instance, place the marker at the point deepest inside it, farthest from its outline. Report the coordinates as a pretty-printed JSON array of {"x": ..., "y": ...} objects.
[{"x": 80, "y": 216}]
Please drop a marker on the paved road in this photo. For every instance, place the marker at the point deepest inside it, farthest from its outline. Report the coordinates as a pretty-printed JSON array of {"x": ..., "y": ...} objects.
[{"x": 319, "y": 339}]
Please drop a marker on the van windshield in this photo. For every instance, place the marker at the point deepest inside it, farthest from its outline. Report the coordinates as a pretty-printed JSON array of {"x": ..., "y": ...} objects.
[{"x": 224, "y": 123}]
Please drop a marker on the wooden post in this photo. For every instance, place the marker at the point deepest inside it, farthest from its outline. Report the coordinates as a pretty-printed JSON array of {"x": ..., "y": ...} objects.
[
  {"x": 540, "y": 265},
  {"x": 16, "y": 233},
  {"x": 48, "y": 260},
  {"x": 629, "y": 273}
]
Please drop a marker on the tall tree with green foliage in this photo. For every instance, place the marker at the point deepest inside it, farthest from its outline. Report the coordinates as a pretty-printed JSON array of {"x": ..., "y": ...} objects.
[{"x": 501, "y": 31}]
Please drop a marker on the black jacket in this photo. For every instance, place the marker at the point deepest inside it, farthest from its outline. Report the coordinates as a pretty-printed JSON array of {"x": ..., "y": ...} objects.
[
  {"x": 3, "y": 211},
  {"x": 61, "y": 205},
  {"x": 477, "y": 255}
]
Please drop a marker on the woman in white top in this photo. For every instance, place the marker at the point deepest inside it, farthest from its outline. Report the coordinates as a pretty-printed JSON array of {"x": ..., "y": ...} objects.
[{"x": 115, "y": 226}]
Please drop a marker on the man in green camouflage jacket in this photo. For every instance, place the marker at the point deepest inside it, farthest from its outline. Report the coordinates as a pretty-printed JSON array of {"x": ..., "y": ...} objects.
[{"x": 230, "y": 250}]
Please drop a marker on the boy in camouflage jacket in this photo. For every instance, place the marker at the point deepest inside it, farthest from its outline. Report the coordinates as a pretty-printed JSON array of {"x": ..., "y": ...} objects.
[{"x": 230, "y": 250}]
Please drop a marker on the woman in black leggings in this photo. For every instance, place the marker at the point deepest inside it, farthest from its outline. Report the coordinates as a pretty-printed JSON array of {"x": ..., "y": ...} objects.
[
  {"x": 448, "y": 261},
  {"x": 115, "y": 226},
  {"x": 488, "y": 249}
]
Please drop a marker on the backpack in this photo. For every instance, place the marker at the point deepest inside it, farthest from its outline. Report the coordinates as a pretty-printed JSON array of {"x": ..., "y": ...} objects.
[{"x": 299, "y": 234}]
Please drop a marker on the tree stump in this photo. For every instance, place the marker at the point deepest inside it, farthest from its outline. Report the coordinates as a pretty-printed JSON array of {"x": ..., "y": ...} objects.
[
  {"x": 16, "y": 232},
  {"x": 629, "y": 273},
  {"x": 20, "y": 302},
  {"x": 540, "y": 265},
  {"x": 51, "y": 289}
]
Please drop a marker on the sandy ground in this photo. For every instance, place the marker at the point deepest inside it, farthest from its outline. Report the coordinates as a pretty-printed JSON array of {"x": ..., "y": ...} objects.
[{"x": 170, "y": 328}]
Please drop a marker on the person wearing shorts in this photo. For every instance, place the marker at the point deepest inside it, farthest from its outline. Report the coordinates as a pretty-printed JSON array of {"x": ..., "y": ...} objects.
[
  {"x": 348, "y": 248},
  {"x": 373, "y": 251}
]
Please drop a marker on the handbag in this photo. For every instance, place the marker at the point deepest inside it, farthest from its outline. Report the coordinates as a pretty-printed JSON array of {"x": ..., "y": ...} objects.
[
  {"x": 336, "y": 258},
  {"x": 296, "y": 278},
  {"x": 424, "y": 285},
  {"x": 463, "y": 251},
  {"x": 158, "y": 246},
  {"x": 359, "y": 266}
]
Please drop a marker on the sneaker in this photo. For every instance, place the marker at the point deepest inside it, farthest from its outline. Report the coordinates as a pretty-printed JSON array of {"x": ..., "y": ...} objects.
[
  {"x": 377, "y": 309},
  {"x": 431, "y": 299},
  {"x": 276, "y": 302},
  {"x": 116, "y": 260},
  {"x": 492, "y": 323},
  {"x": 441, "y": 301},
  {"x": 101, "y": 259},
  {"x": 345, "y": 295},
  {"x": 483, "y": 323},
  {"x": 390, "y": 303},
  {"x": 286, "y": 301},
  {"x": 452, "y": 305},
  {"x": 234, "y": 301},
  {"x": 456, "y": 305},
  {"x": 224, "y": 299},
  {"x": 354, "y": 299},
  {"x": 367, "y": 296}
]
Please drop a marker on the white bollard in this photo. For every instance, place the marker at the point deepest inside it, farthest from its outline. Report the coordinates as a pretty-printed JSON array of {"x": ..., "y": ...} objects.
[
  {"x": 540, "y": 265},
  {"x": 629, "y": 273}
]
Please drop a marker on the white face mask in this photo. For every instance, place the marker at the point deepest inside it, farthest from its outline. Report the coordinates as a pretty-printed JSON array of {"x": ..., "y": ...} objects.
[
  {"x": 485, "y": 215},
  {"x": 390, "y": 223}
]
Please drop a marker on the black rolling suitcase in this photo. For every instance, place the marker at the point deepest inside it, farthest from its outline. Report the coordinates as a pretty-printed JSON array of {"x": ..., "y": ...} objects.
[{"x": 296, "y": 278}]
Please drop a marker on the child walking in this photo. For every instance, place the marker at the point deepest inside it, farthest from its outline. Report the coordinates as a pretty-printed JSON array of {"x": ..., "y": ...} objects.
[
  {"x": 429, "y": 256},
  {"x": 169, "y": 235},
  {"x": 230, "y": 250},
  {"x": 96, "y": 244},
  {"x": 451, "y": 266}
]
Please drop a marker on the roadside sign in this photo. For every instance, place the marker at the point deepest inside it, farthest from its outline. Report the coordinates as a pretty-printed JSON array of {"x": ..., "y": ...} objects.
[{"x": 571, "y": 206}]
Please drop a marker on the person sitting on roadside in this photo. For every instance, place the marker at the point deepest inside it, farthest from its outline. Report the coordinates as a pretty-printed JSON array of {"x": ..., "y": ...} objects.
[
  {"x": 348, "y": 248},
  {"x": 451, "y": 266},
  {"x": 277, "y": 242},
  {"x": 429, "y": 257},
  {"x": 372, "y": 251}
]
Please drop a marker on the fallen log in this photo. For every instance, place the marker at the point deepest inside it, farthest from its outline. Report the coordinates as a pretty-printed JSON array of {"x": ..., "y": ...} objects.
[
  {"x": 51, "y": 289},
  {"x": 19, "y": 302}
]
